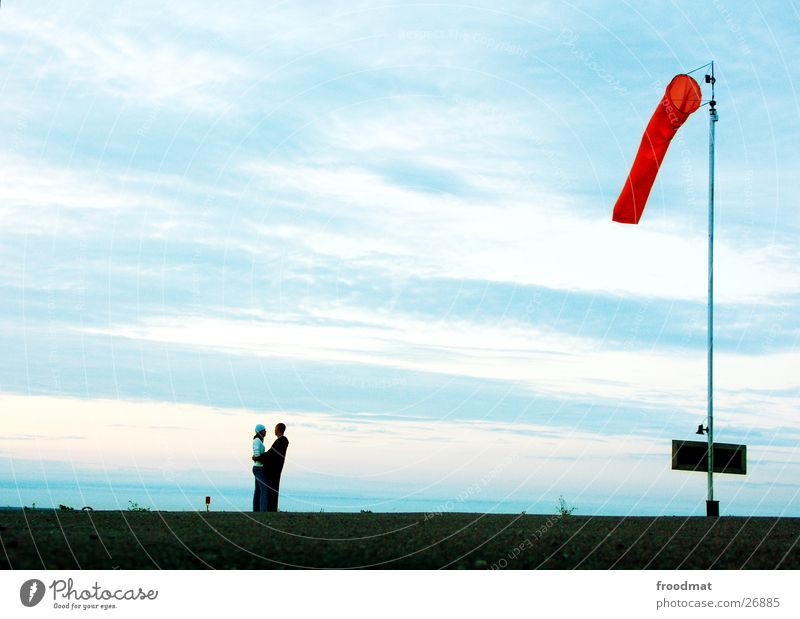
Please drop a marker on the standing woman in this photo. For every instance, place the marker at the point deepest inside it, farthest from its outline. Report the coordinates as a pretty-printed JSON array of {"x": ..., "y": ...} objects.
[{"x": 260, "y": 493}]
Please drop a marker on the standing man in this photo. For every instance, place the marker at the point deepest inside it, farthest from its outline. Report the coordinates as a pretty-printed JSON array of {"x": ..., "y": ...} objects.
[
  {"x": 273, "y": 466},
  {"x": 260, "y": 492}
]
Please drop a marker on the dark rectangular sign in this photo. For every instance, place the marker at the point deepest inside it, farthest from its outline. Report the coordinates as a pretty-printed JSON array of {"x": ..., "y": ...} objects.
[{"x": 693, "y": 456}]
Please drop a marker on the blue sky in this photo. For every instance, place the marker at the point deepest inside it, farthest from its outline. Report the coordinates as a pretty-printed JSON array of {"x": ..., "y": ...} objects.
[{"x": 389, "y": 226}]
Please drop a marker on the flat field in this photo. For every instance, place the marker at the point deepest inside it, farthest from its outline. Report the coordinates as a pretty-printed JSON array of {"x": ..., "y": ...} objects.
[{"x": 36, "y": 539}]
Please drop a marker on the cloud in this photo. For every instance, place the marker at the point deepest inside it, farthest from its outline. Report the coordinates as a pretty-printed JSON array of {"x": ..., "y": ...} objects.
[
  {"x": 144, "y": 62},
  {"x": 532, "y": 237},
  {"x": 539, "y": 359},
  {"x": 130, "y": 431},
  {"x": 41, "y": 192}
]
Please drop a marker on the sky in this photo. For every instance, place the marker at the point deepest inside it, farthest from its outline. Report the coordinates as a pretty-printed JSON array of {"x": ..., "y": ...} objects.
[{"x": 389, "y": 226}]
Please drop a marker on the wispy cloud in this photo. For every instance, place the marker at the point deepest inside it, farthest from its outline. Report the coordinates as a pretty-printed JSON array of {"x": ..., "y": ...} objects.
[
  {"x": 103, "y": 51},
  {"x": 540, "y": 360},
  {"x": 526, "y": 236}
]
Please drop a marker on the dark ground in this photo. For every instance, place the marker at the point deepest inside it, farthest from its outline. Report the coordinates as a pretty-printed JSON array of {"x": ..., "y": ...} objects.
[{"x": 187, "y": 540}]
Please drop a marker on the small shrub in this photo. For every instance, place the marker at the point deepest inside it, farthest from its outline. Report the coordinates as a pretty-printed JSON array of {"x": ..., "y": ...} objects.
[
  {"x": 66, "y": 508},
  {"x": 133, "y": 506},
  {"x": 563, "y": 509}
]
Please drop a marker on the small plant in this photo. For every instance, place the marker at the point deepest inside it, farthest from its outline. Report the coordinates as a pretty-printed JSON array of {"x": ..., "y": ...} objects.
[
  {"x": 133, "y": 506},
  {"x": 563, "y": 509},
  {"x": 66, "y": 508},
  {"x": 32, "y": 507}
]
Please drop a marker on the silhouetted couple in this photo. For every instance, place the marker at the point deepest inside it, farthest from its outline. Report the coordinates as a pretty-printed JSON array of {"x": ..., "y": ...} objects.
[{"x": 267, "y": 468}]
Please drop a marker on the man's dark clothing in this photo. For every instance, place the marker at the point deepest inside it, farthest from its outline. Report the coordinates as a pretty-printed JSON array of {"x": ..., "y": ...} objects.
[{"x": 273, "y": 460}]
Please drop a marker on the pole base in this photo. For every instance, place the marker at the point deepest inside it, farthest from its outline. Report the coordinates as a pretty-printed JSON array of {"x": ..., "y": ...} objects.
[{"x": 712, "y": 509}]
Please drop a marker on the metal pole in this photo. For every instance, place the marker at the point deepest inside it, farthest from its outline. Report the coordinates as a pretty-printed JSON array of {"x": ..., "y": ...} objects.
[{"x": 712, "y": 120}]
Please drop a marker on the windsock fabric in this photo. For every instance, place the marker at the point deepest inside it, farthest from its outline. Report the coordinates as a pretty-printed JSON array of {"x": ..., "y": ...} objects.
[{"x": 680, "y": 100}]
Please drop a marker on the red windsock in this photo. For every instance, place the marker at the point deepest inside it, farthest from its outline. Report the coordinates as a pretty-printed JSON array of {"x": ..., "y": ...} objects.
[{"x": 681, "y": 99}]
